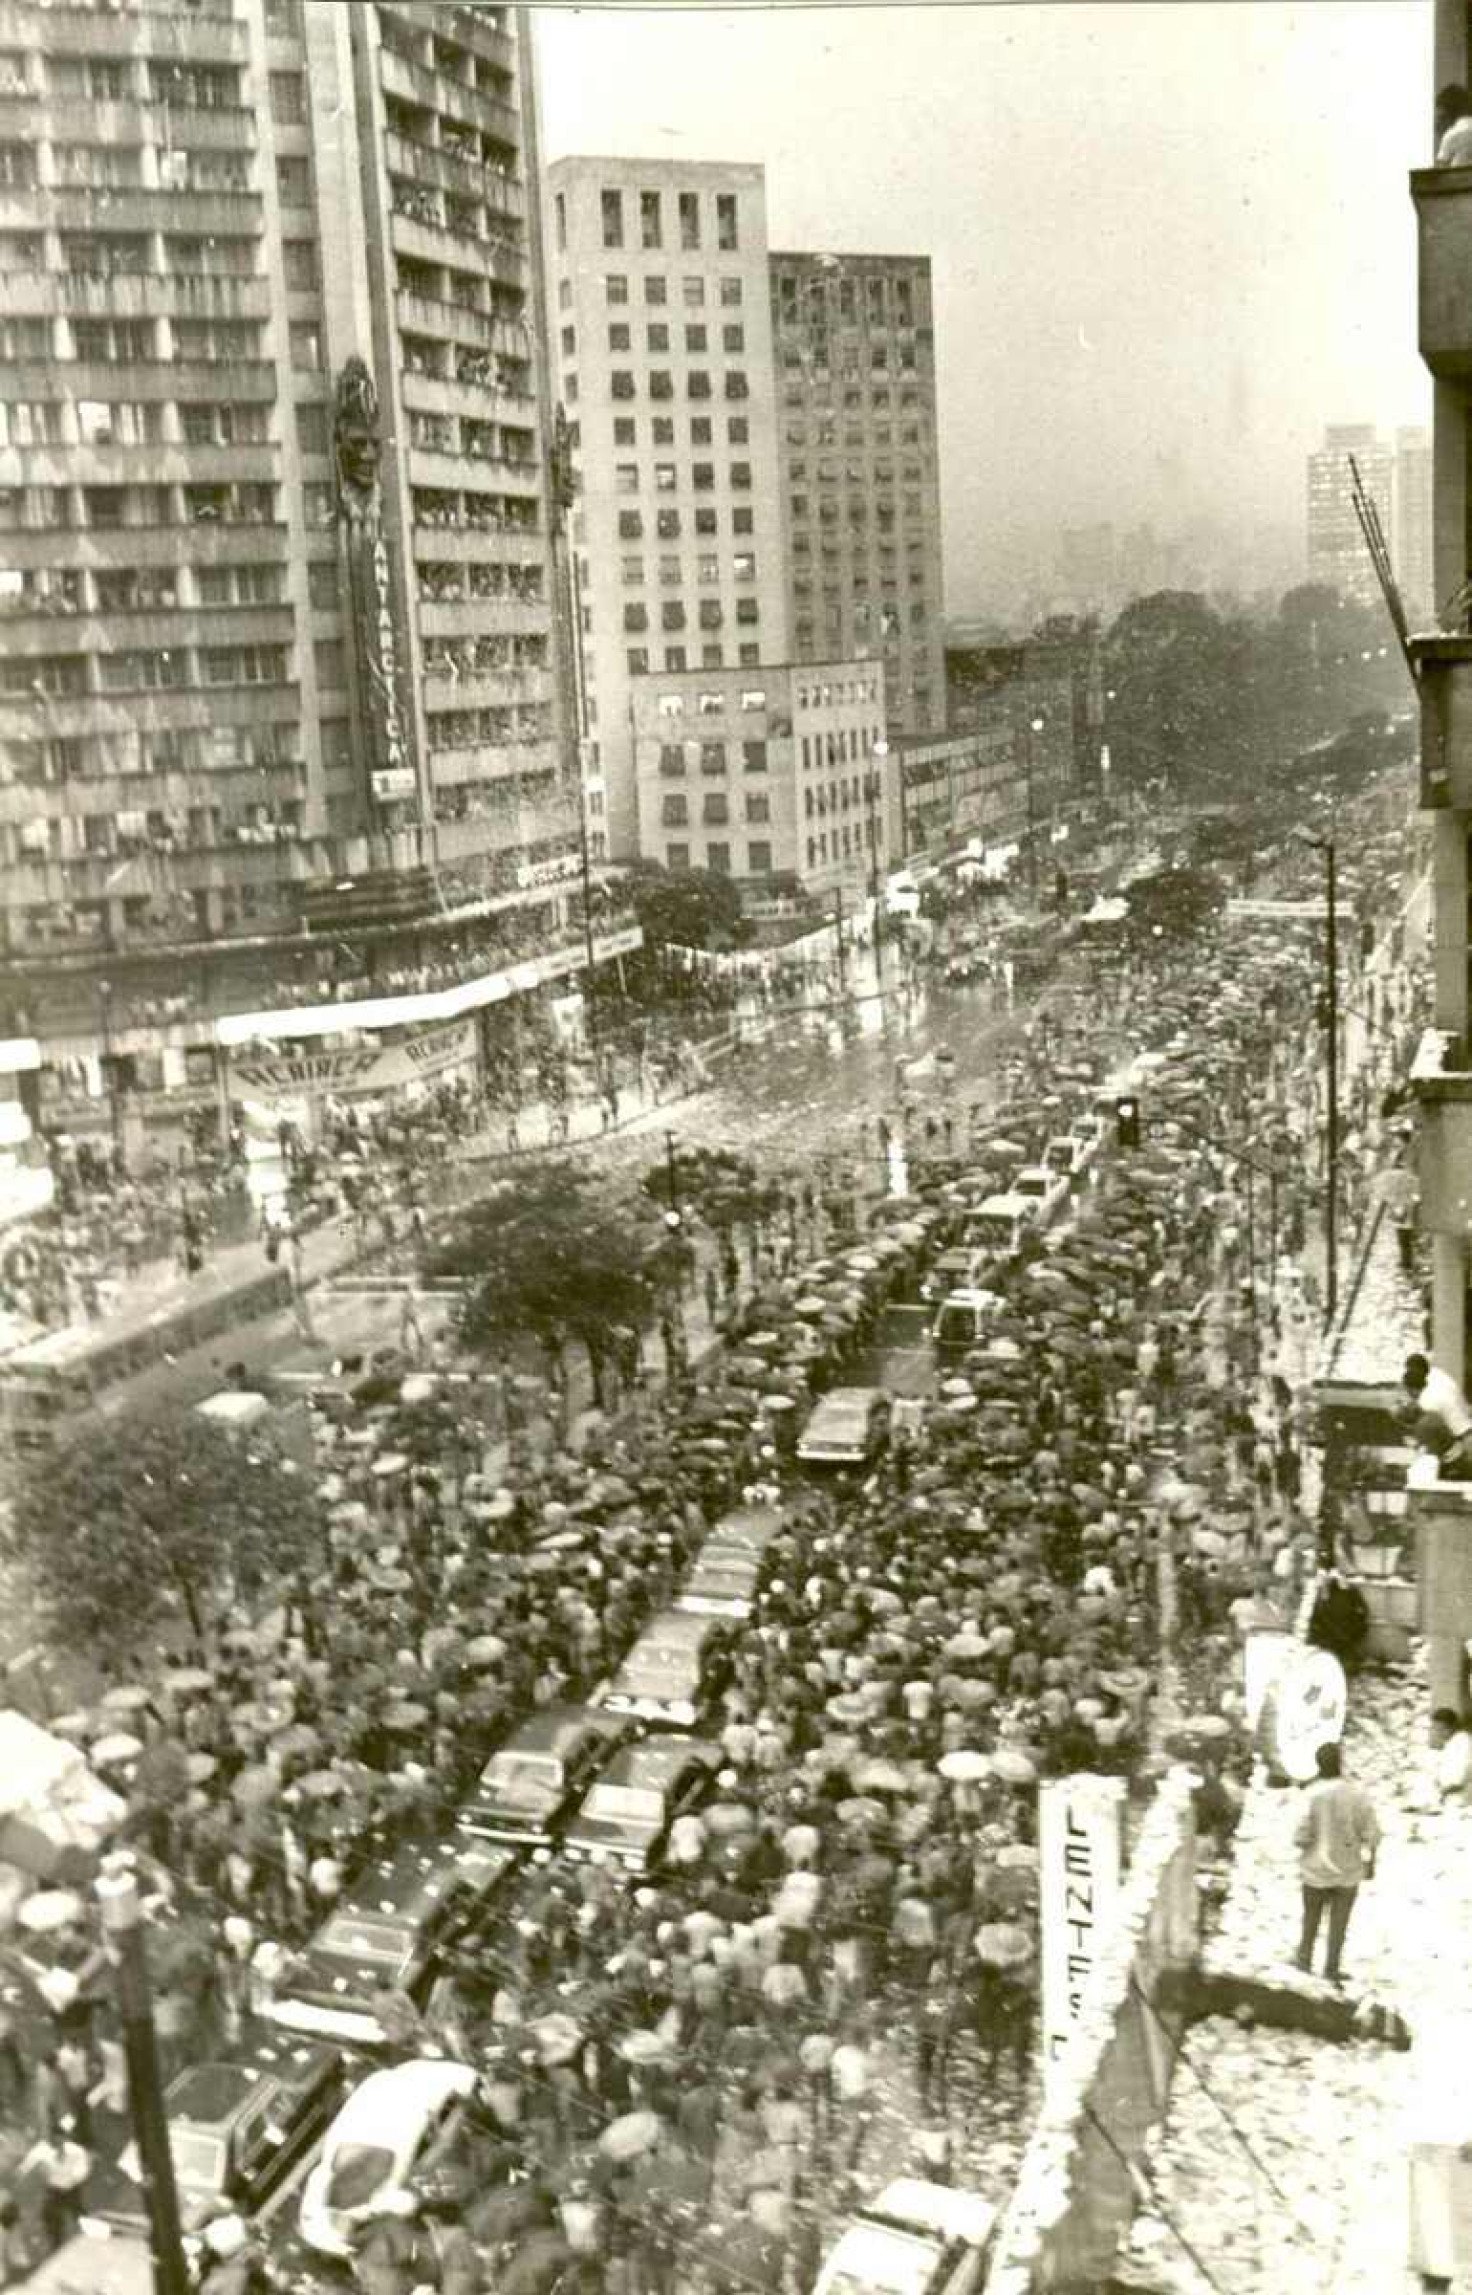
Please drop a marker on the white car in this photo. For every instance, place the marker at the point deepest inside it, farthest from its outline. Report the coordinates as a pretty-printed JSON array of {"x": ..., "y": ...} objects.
[
  {"x": 916, "y": 2238},
  {"x": 1046, "y": 1190},
  {"x": 390, "y": 2128}
]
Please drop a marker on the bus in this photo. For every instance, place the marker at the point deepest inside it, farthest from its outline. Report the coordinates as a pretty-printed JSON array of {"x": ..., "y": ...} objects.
[{"x": 64, "y": 1373}]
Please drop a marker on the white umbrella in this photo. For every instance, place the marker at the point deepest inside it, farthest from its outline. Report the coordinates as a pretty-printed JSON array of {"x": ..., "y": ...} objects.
[
  {"x": 48, "y": 1910},
  {"x": 116, "y": 1748}
]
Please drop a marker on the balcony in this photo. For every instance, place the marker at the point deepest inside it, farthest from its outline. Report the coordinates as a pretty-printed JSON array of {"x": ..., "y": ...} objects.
[
  {"x": 1444, "y": 673},
  {"x": 437, "y": 92},
  {"x": 1443, "y": 198},
  {"x": 195, "y": 38},
  {"x": 483, "y": 617},
  {"x": 487, "y": 761},
  {"x": 432, "y": 315},
  {"x": 442, "y": 170},
  {"x": 1442, "y": 1082},
  {"x": 89, "y": 207}
]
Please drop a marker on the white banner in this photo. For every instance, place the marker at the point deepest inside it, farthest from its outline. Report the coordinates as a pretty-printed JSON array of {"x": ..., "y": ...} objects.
[
  {"x": 1081, "y": 1861},
  {"x": 282, "y": 1077}
]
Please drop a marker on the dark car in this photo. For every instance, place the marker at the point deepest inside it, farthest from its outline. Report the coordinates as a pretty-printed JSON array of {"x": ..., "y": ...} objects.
[
  {"x": 528, "y": 1787},
  {"x": 236, "y": 2129},
  {"x": 385, "y": 1934},
  {"x": 669, "y": 1676},
  {"x": 629, "y": 1811}
]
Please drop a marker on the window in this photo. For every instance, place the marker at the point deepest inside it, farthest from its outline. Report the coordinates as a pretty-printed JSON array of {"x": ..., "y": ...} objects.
[
  {"x": 670, "y": 572},
  {"x": 747, "y": 612},
  {"x": 626, "y": 477},
  {"x": 637, "y": 660},
  {"x": 621, "y": 383},
  {"x": 613, "y": 218},
  {"x": 689, "y": 219},
  {"x": 672, "y": 705},
  {"x": 677, "y": 856},
  {"x": 758, "y": 805},
  {"x": 561, "y": 212},
  {"x": 625, "y": 430},
  {"x": 710, "y": 703},
  {"x": 311, "y": 429},
  {"x": 710, "y": 613},
  {"x": 694, "y": 293},
  {"x": 715, "y": 808},
  {"x": 674, "y": 810},
  {"x": 630, "y": 526},
  {"x": 706, "y": 522},
  {"x": 293, "y": 183},
  {"x": 667, "y": 525},
  {"x": 656, "y": 289},
  {"x": 738, "y": 430},
  {"x": 713, "y": 758},
  {"x": 615, "y": 287},
  {"x": 676, "y": 658},
  {"x": 736, "y": 384},
  {"x": 708, "y": 567},
  {"x": 299, "y": 265},
  {"x": 754, "y": 758},
  {"x": 697, "y": 383},
  {"x": 322, "y": 585},
  {"x": 672, "y": 760},
  {"x": 696, "y": 338},
  {"x": 703, "y": 477},
  {"x": 331, "y": 662},
  {"x": 753, "y": 697},
  {"x": 664, "y": 478},
  {"x": 741, "y": 519},
  {"x": 288, "y": 99},
  {"x": 570, "y": 340},
  {"x": 740, "y": 477},
  {"x": 662, "y": 429},
  {"x": 658, "y": 334},
  {"x": 651, "y": 224},
  {"x": 305, "y": 339},
  {"x": 726, "y": 220},
  {"x": 672, "y": 615},
  {"x": 743, "y": 566},
  {"x": 731, "y": 293},
  {"x": 718, "y": 860},
  {"x": 701, "y": 431},
  {"x": 733, "y": 339},
  {"x": 711, "y": 656},
  {"x": 661, "y": 383},
  {"x": 633, "y": 572},
  {"x": 636, "y": 618}
]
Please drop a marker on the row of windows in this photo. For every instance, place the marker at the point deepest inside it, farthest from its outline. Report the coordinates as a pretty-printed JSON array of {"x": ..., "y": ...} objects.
[
  {"x": 676, "y": 657},
  {"x": 662, "y": 430},
  {"x": 651, "y": 215},
  {"x": 820, "y": 399},
  {"x": 717, "y": 858},
  {"x": 157, "y": 589},
  {"x": 672, "y": 571},
  {"x": 140, "y": 670},
  {"x": 845, "y": 843},
  {"x": 623, "y": 383},
  {"x": 59, "y": 509},
  {"x": 130, "y": 755},
  {"x": 673, "y": 616},
  {"x": 842, "y": 745},
  {"x": 713, "y": 756},
  {"x": 657, "y": 340},
  {"x": 712, "y": 704},
  {"x": 715, "y": 809},
  {"x": 877, "y": 362},
  {"x": 626, "y": 478},
  {"x": 888, "y": 298},
  {"x": 657, "y": 294},
  {"x": 669, "y": 524}
]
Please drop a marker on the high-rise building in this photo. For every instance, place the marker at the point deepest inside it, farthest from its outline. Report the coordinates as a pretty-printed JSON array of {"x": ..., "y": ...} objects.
[
  {"x": 854, "y": 337},
  {"x": 280, "y": 637},
  {"x": 1411, "y": 554},
  {"x": 664, "y": 350},
  {"x": 1337, "y": 556}
]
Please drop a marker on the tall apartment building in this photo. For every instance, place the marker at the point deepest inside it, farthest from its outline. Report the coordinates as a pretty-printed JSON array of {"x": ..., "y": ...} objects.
[
  {"x": 855, "y": 340},
  {"x": 663, "y": 332},
  {"x": 274, "y": 557},
  {"x": 1411, "y": 552},
  {"x": 1336, "y": 551}
]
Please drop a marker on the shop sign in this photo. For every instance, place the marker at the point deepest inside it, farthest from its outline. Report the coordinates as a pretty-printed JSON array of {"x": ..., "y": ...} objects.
[
  {"x": 1080, "y": 1862},
  {"x": 360, "y": 1068}
]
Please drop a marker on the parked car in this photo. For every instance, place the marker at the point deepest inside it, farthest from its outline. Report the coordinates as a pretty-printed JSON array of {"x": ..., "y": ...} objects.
[
  {"x": 722, "y": 1584},
  {"x": 959, "y": 1269},
  {"x": 385, "y": 1935},
  {"x": 999, "y": 1225},
  {"x": 236, "y": 2129},
  {"x": 629, "y": 1810},
  {"x": 1047, "y": 1189},
  {"x": 526, "y": 1788},
  {"x": 962, "y": 1320},
  {"x": 666, "y": 1676},
  {"x": 395, "y": 2125},
  {"x": 848, "y": 1427},
  {"x": 916, "y": 2238}
]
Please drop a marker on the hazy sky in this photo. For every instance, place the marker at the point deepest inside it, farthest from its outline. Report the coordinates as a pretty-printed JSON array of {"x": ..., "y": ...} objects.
[{"x": 1170, "y": 242}]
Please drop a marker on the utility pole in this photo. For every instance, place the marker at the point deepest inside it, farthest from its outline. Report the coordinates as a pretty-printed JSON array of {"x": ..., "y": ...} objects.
[
  {"x": 122, "y": 1927},
  {"x": 1331, "y": 1129},
  {"x": 838, "y": 929}
]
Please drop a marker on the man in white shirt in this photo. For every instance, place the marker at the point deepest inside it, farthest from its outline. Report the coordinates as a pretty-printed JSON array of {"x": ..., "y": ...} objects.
[
  {"x": 1451, "y": 1755},
  {"x": 1443, "y": 1421},
  {"x": 1454, "y": 127}
]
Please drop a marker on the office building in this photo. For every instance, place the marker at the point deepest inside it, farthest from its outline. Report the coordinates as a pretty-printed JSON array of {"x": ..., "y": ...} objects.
[
  {"x": 780, "y": 776},
  {"x": 664, "y": 362},
  {"x": 1337, "y": 556},
  {"x": 854, "y": 337},
  {"x": 1048, "y": 690},
  {"x": 280, "y": 696},
  {"x": 1411, "y": 551}
]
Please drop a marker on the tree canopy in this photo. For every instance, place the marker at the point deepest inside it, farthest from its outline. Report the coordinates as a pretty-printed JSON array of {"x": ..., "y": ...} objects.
[
  {"x": 720, "y": 1187},
  {"x": 550, "y": 1255},
  {"x": 131, "y": 1520},
  {"x": 1173, "y": 904},
  {"x": 691, "y": 908}
]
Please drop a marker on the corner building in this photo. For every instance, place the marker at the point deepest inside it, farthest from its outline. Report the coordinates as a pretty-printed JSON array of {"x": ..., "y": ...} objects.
[
  {"x": 664, "y": 358},
  {"x": 280, "y": 648}
]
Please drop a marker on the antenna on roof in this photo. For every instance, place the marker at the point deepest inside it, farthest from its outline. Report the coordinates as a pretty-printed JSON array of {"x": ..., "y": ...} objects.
[{"x": 1368, "y": 516}]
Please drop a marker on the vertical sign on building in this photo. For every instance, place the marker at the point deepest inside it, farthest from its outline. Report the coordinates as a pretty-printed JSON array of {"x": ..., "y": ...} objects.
[
  {"x": 392, "y": 779},
  {"x": 1080, "y": 1859}
]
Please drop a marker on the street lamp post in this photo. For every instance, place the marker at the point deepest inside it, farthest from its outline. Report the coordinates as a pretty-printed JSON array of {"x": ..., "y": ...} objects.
[
  {"x": 871, "y": 792},
  {"x": 1330, "y": 1015},
  {"x": 1035, "y": 725},
  {"x": 122, "y": 1929}
]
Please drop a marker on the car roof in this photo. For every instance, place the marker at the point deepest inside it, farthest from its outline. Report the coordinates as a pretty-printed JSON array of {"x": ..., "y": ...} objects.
[
  {"x": 210, "y": 2095},
  {"x": 1005, "y": 1206},
  {"x": 403, "y": 1887},
  {"x": 672, "y": 1630},
  {"x": 914, "y": 2204},
  {"x": 378, "y": 2104},
  {"x": 655, "y": 1762}
]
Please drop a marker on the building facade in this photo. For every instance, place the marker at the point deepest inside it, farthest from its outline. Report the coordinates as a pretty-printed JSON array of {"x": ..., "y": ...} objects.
[
  {"x": 664, "y": 360},
  {"x": 1337, "y": 556},
  {"x": 963, "y": 790},
  {"x": 1047, "y": 691},
  {"x": 780, "y": 776},
  {"x": 854, "y": 337},
  {"x": 274, "y": 568},
  {"x": 1412, "y": 550}
]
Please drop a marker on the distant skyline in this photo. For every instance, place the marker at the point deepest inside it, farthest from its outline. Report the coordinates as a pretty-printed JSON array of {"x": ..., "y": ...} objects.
[{"x": 1171, "y": 244}]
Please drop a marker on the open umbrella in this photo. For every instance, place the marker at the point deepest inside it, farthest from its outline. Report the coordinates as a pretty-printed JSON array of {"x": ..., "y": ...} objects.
[
  {"x": 1014, "y": 1767},
  {"x": 631, "y": 2135},
  {"x": 186, "y": 1681},
  {"x": 558, "y": 2037},
  {"x": 967, "y": 1646},
  {"x": 115, "y": 1749},
  {"x": 320, "y": 1784},
  {"x": 388, "y": 1581},
  {"x": 882, "y": 1777},
  {"x": 965, "y": 1766},
  {"x": 298, "y": 1739},
  {"x": 1002, "y": 1944},
  {"x": 202, "y": 1767},
  {"x": 1017, "y": 1857},
  {"x": 47, "y": 1910},
  {"x": 255, "y": 1788},
  {"x": 392, "y": 1462},
  {"x": 861, "y": 1810},
  {"x": 484, "y": 1650},
  {"x": 130, "y": 1697},
  {"x": 726, "y": 1818},
  {"x": 403, "y": 1720}
]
